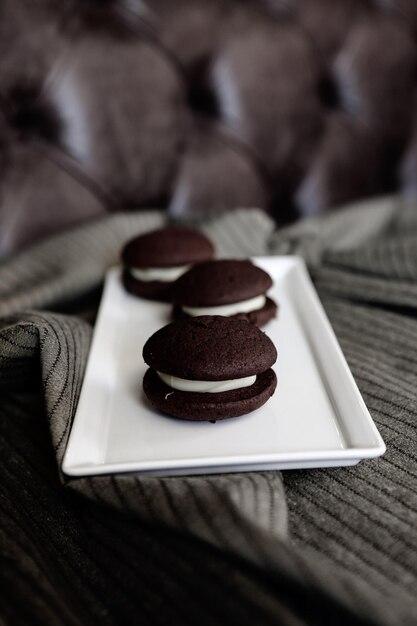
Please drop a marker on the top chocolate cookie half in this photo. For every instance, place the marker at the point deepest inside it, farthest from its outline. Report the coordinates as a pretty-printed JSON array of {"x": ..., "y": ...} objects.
[
  {"x": 153, "y": 261},
  {"x": 235, "y": 288},
  {"x": 210, "y": 348},
  {"x": 167, "y": 247}
]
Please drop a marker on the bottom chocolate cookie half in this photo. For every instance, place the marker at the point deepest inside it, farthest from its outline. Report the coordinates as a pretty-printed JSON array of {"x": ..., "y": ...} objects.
[
  {"x": 152, "y": 290},
  {"x": 260, "y": 317},
  {"x": 208, "y": 406}
]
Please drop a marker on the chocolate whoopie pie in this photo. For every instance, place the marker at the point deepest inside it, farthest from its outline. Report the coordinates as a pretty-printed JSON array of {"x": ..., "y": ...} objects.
[
  {"x": 153, "y": 261},
  {"x": 224, "y": 287},
  {"x": 209, "y": 368}
]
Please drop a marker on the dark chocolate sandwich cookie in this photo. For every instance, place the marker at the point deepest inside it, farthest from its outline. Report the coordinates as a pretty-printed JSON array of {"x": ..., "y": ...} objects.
[
  {"x": 209, "y": 368},
  {"x": 226, "y": 287},
  {"x": 153, "y": 261}
]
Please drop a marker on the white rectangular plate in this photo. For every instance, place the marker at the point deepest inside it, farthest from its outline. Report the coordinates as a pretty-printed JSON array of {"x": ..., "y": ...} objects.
[{"x": 316, "y": 418}]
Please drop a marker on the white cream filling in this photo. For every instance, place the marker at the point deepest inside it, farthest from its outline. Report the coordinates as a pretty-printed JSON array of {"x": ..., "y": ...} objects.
[
  {"x": 244, "y": 306},
  {"x": 163, "y": 274},
  {"x": 205, "y": 386}
]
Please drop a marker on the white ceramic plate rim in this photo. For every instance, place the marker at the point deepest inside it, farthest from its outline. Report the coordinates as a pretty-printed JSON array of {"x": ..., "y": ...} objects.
[{"x": 350, "y": 454}]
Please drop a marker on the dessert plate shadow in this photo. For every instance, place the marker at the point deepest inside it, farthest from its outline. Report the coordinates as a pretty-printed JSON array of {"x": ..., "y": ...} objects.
[{"x": 316, "y": 418}]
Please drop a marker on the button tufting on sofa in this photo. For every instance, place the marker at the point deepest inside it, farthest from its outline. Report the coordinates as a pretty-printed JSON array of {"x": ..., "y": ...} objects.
[{"x": 201, "y": 105}]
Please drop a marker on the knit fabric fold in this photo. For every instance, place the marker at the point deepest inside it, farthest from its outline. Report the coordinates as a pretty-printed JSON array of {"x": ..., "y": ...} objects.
[{"x": 305, "y": 547}]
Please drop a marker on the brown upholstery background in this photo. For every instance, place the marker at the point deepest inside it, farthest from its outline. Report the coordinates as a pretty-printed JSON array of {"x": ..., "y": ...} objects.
[{"x": 295, "y": 106}]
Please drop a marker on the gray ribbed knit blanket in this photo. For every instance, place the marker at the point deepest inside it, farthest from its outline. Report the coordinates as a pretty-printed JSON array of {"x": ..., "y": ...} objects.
[{"x": 331, "y": 546}]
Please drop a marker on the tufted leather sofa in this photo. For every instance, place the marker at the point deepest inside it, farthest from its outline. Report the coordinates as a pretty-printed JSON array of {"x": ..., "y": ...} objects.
[{"x": 295, "y": 106}]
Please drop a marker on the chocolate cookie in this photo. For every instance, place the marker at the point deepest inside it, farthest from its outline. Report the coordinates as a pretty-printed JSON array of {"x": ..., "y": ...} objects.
[
  {"x": 153, "y": 261},
  {"x": 235, "y": 288},
  {"x": 209, "y": 368}
]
